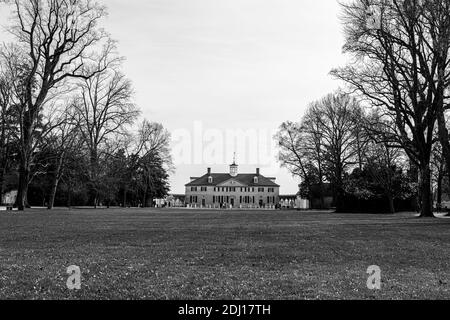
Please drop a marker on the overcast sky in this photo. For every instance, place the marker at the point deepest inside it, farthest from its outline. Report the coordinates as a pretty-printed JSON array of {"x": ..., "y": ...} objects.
[{"x": 226, "y": 65}]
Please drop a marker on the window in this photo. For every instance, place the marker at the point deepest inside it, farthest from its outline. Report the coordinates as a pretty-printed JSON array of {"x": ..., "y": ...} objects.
[
  {"x": 255, "y": 180},
  {"x": 272, "y": 190},
  {"x": 193, "y": 189},
  {"x": 210, "y": 179},
  {"x": 204, "y": 189},
  {"x": 260, "y": 189}
]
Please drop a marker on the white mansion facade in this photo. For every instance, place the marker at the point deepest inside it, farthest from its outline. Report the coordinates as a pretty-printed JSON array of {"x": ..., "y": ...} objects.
[{"x": 232, "y": 190}]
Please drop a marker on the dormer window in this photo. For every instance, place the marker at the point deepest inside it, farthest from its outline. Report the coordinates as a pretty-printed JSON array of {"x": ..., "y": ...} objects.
[
  {"x": 255, "y": 180},
  {"x": 210, "y": 179}
]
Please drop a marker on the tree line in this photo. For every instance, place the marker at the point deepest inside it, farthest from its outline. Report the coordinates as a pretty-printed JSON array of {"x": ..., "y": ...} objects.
[
  {"x": 67, "y": 111},
  {"x": 389, "y": 131}
]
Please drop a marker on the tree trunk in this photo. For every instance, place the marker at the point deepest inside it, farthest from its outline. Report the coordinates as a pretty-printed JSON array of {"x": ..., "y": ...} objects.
[
  {"x": 338, "y": 185},
  {"x": 439, "y": 189},
  {"x": 26, "y": 143},
  {"x": 94, "y": 177},
  {"x": 21, "y": 201},
  {"x": 55, "y": 182},
  {"x": 2, "y": 182},
  {"x": 145, "y": 198},
  {"x": 124, "y": 197},
  {"x": 321, "y": 189},
  {"x": 322, "y": 196},
  {"x": 54, "y": 188},
  {"x": 338, "y": 198},
  {"x": 426, "y": 206},
  {"x": 69, "y": 196},
  {"x": 96, "y": 200},
  {"x": 4, "y": 154},
  {"x": 391, "y": 203},
  {"x": 444, "y": 138}
]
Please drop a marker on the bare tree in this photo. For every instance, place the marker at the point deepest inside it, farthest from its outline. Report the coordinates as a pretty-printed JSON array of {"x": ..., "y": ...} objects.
[
  {"x": 383, "y": 160},
  {"x": 57, "y": 38},
  {"x": 313, "y": 142},
  {"x": 151, "y": 143},
  {"x": 292, "y": 152},
  {"x": 6, "y": 92},
  {"x": 336, "y": 116},
  {"x": 104, "y": 109},
  {"x": 300, "y": 152},
  {"x": 391, "y": 58},
  {"x": 325, "y": 144},
  {"x": 62, "y": 140},
  {"x": 434, "y": 27},
  {"x": 153, "y": 138}
]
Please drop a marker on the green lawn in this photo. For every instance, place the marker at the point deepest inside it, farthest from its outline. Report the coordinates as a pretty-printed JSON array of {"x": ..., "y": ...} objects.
[{"x": 182, "y": 254}]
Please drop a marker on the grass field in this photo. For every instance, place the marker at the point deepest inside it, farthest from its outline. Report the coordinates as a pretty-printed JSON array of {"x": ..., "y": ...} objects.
[{"x": 181, "y": 254}]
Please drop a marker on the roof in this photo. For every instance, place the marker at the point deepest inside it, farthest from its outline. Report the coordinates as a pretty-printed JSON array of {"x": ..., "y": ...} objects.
[{"x": 245, "y": 179}]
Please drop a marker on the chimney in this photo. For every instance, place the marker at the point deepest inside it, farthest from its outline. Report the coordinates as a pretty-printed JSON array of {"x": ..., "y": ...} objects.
[
  {"x": 209, "y": 171},
  {"x": 257, "y": 171}
]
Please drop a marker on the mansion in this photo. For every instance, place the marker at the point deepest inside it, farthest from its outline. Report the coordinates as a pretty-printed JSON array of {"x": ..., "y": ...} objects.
[{"x": 232, "y": 190}]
